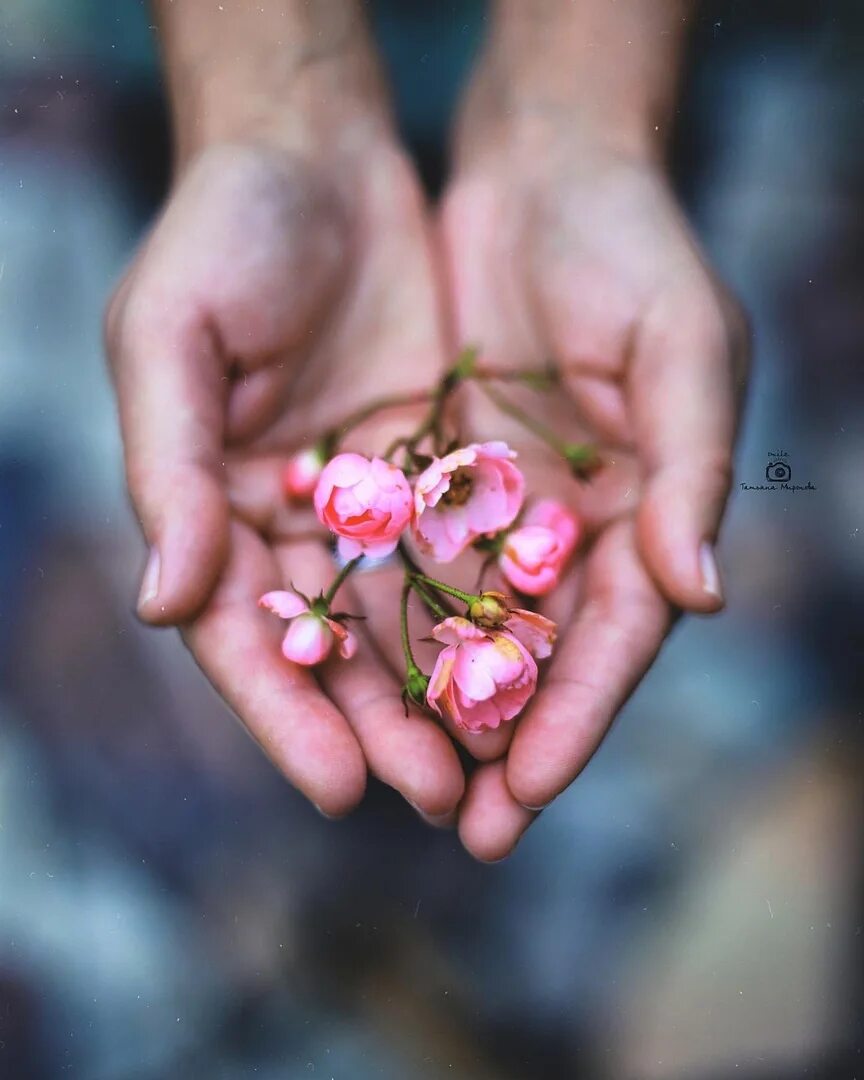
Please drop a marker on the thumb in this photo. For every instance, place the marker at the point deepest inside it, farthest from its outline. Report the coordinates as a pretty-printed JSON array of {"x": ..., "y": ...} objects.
[
  {"x": 684, "y": 406},
  {"x": 170, "y": 392}
]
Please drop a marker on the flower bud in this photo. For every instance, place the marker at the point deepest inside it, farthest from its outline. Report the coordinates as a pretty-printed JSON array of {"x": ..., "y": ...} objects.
[
  {"x": 583, "y": 460},
  {"x": 535, "y": 555},
  {"x": 489, "y": 609},
  {"x": 302, "y": 472},
  {"x": 311, "y": 633},
  {"x": 416, "y": 685}
]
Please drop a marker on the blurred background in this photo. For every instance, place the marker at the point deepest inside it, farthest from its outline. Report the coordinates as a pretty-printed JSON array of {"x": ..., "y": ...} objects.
[{"x": 691, "y": 908}]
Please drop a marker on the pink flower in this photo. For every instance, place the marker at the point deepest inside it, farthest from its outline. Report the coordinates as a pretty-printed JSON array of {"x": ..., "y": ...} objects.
[
  {"x": 301, "y": 473},
  {"x": 535, "y": 554},
  {"x": 309, "y": 637},
  {"x": 472, "y": 492},
  {"x": 367, "y": 504},
  {"x": 535, "y": 631},
  {"x": 482, "y": 678}
]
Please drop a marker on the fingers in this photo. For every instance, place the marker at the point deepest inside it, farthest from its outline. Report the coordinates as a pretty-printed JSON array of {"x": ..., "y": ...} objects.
[
  {"x": 257, "y": 397},
  {"x": 283, "y": 708},
  {"x": 491, "y": 822},
  {"x": 587, "y": 314},
  {"x": 597, "y": 665},
  {"x": 257, "y": 493},
  {"x": 684, "y": 404},
  {"x": 410, "y": 753},
  {"x": 485, "y": 280},
  {"x": 170, "y": 394}
]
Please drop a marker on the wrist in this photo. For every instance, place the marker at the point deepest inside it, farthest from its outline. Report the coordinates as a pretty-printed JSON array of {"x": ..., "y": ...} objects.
[
  {"x": 294, "y": 116},
  {"x": 303, "y": 77},
  {"x": 606, "y": 74}
]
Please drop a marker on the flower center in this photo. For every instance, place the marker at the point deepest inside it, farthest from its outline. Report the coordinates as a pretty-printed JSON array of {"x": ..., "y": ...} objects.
[{"x": 460, "y": 488}]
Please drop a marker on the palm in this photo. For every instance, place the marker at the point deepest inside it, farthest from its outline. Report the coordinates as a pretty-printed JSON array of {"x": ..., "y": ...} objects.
[
  {"x": 317, "y": 297},
  {"x": 586, "y": 263}
]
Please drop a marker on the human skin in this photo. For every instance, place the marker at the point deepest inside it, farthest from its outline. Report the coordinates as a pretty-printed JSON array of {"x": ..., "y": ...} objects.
[
  {"x": 564, "y": 242},
  {"x": 288, "y": 278},
  {"x": 293, "y": 276}
]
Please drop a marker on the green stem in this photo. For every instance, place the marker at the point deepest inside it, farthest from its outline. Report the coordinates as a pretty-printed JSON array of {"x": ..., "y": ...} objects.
[
  {"x": 545, "y": 379},
  {"x": 435, "y": 606},
  {"x": 509, "y": 408},
  {"x": 582, "y": 457},
  {"x": 331, "y": 438},
  {"x": 431, "y": 423},
  {"x": 450, "y": 590},
  {"x": 410, "y": 662},
  {"x": 338, "y": 580}
]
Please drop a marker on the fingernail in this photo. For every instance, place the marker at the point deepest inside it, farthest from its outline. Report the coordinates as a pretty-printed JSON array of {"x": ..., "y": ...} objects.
[
  {"x": 324, "y": 814},
  {"x": 710, "y": 572},
  {"x": 432, "y": 819},
  {"x": 150, "y": 581}
]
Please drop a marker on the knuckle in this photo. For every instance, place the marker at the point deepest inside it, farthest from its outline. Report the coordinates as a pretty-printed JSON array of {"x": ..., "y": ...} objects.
[
  {"x": 716, "y": 471},
  {"x": 738, "y": 332},
  {"x": 709, "y": 322},
  {"x": 112, "y": 318},
  {"x": 703, "y": 472},
  {"x": 126, "y": 317},
  {"x": 139, "y": 474}
]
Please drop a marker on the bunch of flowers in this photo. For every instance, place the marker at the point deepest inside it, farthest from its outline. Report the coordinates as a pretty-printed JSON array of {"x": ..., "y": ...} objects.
[{"x": 439, "y": 501}]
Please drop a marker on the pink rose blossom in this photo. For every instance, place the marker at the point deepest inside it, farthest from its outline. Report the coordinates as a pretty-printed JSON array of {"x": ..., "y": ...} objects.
[
  {"x": 535, "y": 631},
  {"x": 535, "y": 554},
  {"x": 367, "y": 504},
  {"x": 309, "y": 637},
  {"x": 301, "y": 473},
  {"x": 482, "y": 678},
  {"x": 472, "y": 492}
]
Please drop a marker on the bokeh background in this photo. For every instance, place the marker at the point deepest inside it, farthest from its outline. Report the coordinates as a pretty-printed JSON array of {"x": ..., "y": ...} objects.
[{"x": 691, "y": 908}]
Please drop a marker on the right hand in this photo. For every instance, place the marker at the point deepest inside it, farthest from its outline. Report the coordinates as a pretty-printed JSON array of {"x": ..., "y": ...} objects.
[{"x": 277, "y": 292}]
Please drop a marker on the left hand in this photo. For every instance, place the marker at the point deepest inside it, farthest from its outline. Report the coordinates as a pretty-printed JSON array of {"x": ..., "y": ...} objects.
[{"x": 561, "y": 246}]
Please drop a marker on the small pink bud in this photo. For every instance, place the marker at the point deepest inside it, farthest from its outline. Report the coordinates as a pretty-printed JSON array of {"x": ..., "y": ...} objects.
[
  {"x": 301, "y": 473},
  {"x": 535, "y": 554},
  {"x": 307, "y": 640},
  {"x": 489, "y": 609},
  {"x": 310, "y": 636}
]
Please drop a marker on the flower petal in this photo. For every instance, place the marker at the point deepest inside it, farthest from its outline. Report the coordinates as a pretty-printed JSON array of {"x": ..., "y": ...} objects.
[
  {"x": 440, "y": 693},
  {"x": 495, "y": 449},
  {"x": 308, "y": 640},
  {"x": 534, "y": 631},
  {"x": 472, "y": 674},
  {"x": 287, "y": 605},
  {"x": 456, "y": 629},
  {"x": 346, "y": 470},
  {"x": 346, "y": 641},
  {"x": 478, "y": 716}
]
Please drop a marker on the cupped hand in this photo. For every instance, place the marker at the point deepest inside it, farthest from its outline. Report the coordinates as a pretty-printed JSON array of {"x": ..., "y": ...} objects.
[
  {"x": 275, "y": 294},
  {"x": 561, "y": 247}
]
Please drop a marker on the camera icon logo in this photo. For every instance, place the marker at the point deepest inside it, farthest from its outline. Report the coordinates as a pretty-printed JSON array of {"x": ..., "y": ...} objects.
[{"x": 778, "y": 472}]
